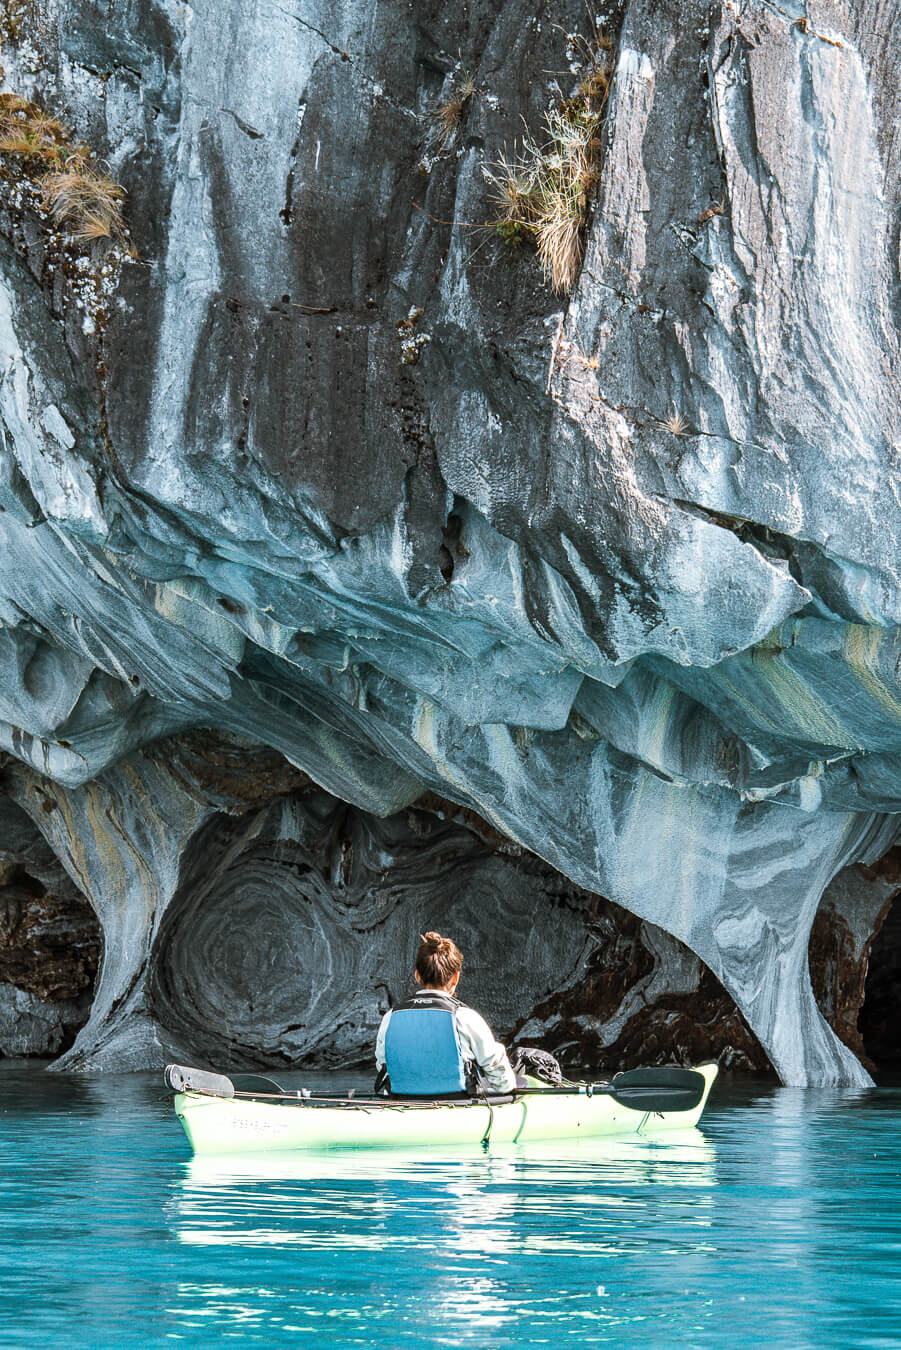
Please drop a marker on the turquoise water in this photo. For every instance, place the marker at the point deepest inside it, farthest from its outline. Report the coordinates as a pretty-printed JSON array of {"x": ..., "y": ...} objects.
[{"x": 777, "y": 1223}]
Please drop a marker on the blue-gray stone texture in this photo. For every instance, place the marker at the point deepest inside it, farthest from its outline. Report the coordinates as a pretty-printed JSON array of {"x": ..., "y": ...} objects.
[{"x": 328, "y": 472}]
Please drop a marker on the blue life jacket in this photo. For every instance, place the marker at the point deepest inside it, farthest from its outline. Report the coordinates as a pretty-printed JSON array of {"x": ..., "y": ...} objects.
[{"x": 422, "y": 1048}]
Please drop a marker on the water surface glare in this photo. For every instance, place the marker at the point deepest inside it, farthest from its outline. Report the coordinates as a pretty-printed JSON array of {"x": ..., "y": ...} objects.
[{"x": 776, "y": 1223}]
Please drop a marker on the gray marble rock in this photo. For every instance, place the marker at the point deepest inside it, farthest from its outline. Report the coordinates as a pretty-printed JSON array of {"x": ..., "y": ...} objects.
[
  {"x": 292, "y": 922},
  {"x": 320, "y": 471},
  {"x": 34, "y": 1027}
]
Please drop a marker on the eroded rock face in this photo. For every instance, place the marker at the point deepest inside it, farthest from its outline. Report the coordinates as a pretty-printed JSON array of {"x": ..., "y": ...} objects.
[
  {"x": 850, "y": 918},
  {"x": 293, "y": 931},
  {"x": 291, "y": 923},
  {"x": 616, "y": 572},
  {"x": 642, "y": 998}
]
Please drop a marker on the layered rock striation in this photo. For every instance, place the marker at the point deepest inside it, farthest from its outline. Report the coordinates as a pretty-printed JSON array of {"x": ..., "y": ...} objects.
[{"x": 329, "y": 470}]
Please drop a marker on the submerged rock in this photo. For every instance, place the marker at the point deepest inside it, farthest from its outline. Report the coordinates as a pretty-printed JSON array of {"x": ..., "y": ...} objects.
[{"x": 616, "y": 572}]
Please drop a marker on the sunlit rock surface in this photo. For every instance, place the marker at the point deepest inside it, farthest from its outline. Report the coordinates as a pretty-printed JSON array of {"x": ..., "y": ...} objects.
[{"x": 617, "y": 572}]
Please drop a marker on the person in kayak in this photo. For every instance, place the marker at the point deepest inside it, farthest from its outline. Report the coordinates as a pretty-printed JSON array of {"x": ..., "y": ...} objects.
[{"x": 432, "y": 1045}]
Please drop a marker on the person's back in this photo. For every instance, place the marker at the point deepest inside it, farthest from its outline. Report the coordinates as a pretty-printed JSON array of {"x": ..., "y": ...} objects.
[{"x": 432, "y": 1044}]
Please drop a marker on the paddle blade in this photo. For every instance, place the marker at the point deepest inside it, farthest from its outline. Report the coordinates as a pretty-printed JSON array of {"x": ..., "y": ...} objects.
[
  {"x": 666, "y": 1089},
  {"x": 255, "y": 1082},
  {"x": 181, "y": 1078}
]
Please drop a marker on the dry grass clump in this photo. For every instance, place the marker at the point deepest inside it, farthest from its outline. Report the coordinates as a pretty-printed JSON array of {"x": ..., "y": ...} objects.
[
  {"x": 83, "y": 199},
  {"x": 448, "y": 114},
  {"x": 543, "y": 194},
  {"x": 674, "y": 423},
  {"x": 79, "y": 195}
]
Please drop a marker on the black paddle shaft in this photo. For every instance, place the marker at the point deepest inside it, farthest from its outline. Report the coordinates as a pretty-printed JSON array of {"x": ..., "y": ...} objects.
[{"x": 655, "y": 1090}]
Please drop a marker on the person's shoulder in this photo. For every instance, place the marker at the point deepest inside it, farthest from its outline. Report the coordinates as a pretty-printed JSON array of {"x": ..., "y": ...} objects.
[{"x": 474, "y": 1018}]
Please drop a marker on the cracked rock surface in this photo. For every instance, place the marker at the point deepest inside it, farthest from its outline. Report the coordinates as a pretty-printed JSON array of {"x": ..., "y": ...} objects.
[{"x": 327, "y": 471}]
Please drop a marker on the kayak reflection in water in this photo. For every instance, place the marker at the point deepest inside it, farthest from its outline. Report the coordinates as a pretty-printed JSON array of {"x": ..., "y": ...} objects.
[{"x": 433, "y": 1045}]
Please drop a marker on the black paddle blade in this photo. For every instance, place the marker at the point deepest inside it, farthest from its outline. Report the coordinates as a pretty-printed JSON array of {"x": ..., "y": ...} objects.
[
  {"x": 666, "y": 1089},
  {"x": 255, "y": 1082},
  {"x": 181, "y": 1078}
]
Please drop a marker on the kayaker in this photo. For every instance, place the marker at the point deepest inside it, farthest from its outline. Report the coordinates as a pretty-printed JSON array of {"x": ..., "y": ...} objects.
[{"x": 432, "y": 1044}]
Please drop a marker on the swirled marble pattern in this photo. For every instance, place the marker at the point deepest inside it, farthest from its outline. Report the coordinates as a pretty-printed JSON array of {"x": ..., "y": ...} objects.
[
  {"x": 616, "y": 572},
  {"x": 285, "y": 921},
  {"x": 293, "y": 930}
]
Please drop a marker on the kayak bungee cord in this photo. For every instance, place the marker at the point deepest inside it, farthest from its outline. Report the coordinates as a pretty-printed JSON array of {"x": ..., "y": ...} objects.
[{"x": 486, "y": 1137}]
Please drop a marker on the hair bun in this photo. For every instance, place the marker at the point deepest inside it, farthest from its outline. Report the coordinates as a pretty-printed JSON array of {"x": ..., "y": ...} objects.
[{"x": 438, "y": 960}]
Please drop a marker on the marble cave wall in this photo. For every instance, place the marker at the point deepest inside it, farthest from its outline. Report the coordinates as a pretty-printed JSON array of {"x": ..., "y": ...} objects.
[
  {"x": 287, "y": 927},
  {"x": 352, "y": 579}
]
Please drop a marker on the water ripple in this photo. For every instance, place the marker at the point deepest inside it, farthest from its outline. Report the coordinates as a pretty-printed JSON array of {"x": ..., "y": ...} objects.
[{"x": 776, "y": 1224}]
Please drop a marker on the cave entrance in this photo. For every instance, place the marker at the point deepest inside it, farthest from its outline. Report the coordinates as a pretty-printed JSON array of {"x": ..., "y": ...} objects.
[
  {"x": 879, "y": 1023},
  {"x": 50, "y": 949},
  {"x": 51, "y": 944}
]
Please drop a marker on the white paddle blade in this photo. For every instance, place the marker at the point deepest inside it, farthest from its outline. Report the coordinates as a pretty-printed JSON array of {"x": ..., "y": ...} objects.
[{"x": 183, "y": 1079}]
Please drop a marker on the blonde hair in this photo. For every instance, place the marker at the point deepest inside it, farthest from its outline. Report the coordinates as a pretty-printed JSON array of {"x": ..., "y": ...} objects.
[{"x": 438, "y": 960}]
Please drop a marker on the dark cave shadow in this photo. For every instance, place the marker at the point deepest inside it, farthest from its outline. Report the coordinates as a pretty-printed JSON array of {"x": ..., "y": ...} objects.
[{"x": 879, "y": 1020}]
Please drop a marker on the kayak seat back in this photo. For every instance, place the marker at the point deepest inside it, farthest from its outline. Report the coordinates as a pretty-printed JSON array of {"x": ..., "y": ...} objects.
[{"x": 422, "y": 1053}]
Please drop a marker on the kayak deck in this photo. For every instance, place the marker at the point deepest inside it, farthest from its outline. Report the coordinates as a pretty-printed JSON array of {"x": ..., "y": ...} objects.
[{"x": 249, "y": 1123}]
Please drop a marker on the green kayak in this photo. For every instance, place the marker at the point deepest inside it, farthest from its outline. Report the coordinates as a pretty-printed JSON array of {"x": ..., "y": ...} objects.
[{"x": 221, "y": 1116}]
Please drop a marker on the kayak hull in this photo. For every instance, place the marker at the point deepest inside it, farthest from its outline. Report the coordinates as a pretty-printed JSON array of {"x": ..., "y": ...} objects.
[{"x": 227, "y": 1125}]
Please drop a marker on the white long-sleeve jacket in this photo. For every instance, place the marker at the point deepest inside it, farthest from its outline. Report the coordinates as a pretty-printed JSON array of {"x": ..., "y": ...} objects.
[{"x": 476, "y": 1042}]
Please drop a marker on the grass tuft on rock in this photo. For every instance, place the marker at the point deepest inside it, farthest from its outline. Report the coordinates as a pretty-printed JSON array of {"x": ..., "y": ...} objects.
[
  {"x": 75, "y": 189},
  {"x": 543, "y": 194},
  {"x": 448, "y": 114},
  {"x": 84, "y": 200}
]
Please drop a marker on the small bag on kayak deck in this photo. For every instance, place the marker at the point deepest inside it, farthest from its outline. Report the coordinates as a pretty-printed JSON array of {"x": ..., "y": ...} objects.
[{"x": 538, "y": 1063}]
